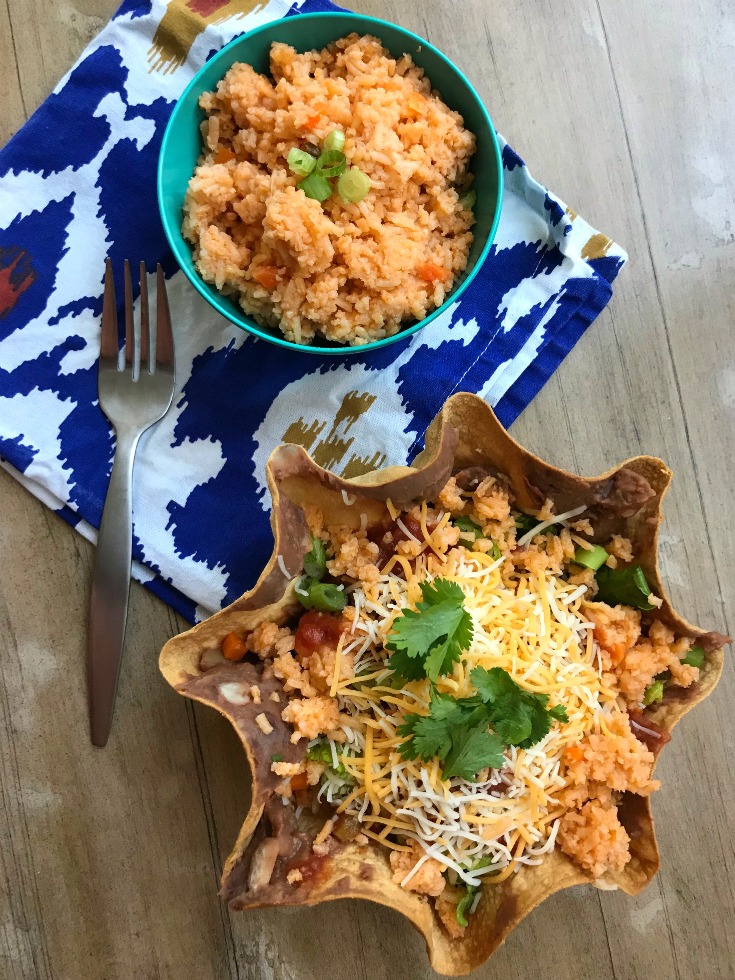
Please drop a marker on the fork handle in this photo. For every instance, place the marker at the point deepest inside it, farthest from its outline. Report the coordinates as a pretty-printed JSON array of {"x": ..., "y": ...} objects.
[{"x": 111, "y": 588}]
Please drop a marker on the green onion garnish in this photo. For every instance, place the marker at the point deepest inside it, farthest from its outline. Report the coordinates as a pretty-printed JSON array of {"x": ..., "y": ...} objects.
[
  {"x": 468, "y": 528},
  {"x": 316, "y": 187},
  {"x": 654, "y": 692},
  {"x": 467, "y": 201},
  {"x": 496, "y": 552},
  {"x": 594, "y": 558},
  {"x": 321, "y": 596},
  {"x": 331, "y": 164},
  {"x": 334, "y": 141},
  {"x": 326, "y": 597},
  {"x": 463, "y": 906},
  {"x": 353, "y": 185},
  {"x": 299, "y": 162},
  {"x": 695, "y": 657},
  {"x": 315, "y": 561}
]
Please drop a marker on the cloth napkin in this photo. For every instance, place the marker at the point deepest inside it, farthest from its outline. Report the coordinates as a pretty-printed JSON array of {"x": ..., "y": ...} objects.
[{"x": 77, "y": 183}]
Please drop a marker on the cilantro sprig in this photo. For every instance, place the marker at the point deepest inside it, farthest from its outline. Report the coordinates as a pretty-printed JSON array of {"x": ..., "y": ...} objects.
[
  {"x": 468, "y": 734},
  {"x": 429, "y": 640},
  {"x": 518, "y": 716},
  {"x": 456, "y": 732}
]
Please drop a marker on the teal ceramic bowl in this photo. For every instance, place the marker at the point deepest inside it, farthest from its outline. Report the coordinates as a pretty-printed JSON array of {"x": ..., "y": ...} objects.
[{"x": 181, "y": 148}]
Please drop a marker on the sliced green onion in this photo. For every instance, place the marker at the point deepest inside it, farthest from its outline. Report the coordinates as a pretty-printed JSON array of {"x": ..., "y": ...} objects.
[
  {"x": 334, "y": 141},
  {"x": 331, "y": 164},
  {"x": 321, "y": 596},
  {"x": 302, "y": 591},
  {"x": 463, "y": 906},
  {"x": 467, "y": 201},
  {"x": 653, "y": 693},
  {"x": 593, "y": 559},
  {"x": 353, "y": 185},
  {"x": 316, "y": 187},
  {"x": 315, "y": 561},
  {"x": 299, "y": 162},
  {"x": 277, "y": 758},
  {"x": 695, "y": 657},
  {"x": 468, "y": 528},
  {"x": 496, "y": 552},
  {"x": 327, "y": 598}
]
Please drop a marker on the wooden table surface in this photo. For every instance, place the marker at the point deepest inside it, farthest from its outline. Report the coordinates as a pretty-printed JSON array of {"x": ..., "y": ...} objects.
[{"x": 110, "y": 859}]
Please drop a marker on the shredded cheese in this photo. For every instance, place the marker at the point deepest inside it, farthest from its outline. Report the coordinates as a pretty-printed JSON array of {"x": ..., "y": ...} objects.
[
  {"x": 540, "y": 528},
  {"x": 533, "y": 627}
]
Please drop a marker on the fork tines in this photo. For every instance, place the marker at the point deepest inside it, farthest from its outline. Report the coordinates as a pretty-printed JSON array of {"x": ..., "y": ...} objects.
[{"x": 142, "y": 346}]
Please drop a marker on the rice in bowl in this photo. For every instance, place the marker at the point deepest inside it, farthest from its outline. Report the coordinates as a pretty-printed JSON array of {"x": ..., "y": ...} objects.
[{"x": 350, "y": 272}]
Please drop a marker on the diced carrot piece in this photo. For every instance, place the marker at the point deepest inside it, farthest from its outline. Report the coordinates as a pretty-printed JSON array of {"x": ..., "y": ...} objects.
[
  {"x": 267, "y": 276},
  {"x": 431, "y": 272},
  {"x": 312, "y": 121},
  {"x": 574, "y": 752},
  {"x": 224, "y": 155},
  {"x": 416, "y": 102},
  {"x": 233, "y": 647},
  {"x": 299, "y": 781}
]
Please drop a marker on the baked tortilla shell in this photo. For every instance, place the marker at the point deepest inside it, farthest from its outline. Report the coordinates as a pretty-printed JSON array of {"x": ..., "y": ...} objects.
[{"x": 626, "y": 500}]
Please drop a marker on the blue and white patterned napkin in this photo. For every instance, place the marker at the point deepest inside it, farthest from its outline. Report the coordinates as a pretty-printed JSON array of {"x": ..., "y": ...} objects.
[{"x": 77, "y": 183}]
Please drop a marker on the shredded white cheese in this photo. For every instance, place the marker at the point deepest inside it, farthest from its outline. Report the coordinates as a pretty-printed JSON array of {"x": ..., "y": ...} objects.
[
  {"x": 535, "y": 631},
  {"x": 540, "y": 528}
]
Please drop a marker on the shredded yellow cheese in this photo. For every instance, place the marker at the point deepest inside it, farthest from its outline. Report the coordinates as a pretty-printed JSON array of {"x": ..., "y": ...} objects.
[{"x": 532, "y": 626}]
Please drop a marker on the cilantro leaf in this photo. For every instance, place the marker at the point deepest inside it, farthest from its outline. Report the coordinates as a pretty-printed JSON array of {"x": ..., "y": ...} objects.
[
  {"x": 623, "y": 586},
  {"x": 515, "y": 722},
  {"x": 472, "y": 750},
  {"x": 518, "y": 716},
  {"x": 406, "y": 668},
  {"x": 432, "y": 733},
  {"x": 492, "y": 684},
  {"x": 455, "y": 732},
  {"x": 441, "y": 590},
  {"x": 427, "y": 641},
  {"x": 559, "y": 713}
]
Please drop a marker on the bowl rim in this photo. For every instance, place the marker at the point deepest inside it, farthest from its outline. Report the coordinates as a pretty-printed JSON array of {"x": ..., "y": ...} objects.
[{"x": 175, "y": 239}]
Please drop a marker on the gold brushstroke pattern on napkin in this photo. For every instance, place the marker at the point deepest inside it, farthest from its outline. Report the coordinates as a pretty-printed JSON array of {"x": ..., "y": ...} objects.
[{"x": 182, "y": 24}]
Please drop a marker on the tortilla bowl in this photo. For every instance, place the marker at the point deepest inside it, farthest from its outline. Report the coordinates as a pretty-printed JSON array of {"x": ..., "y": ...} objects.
[{"x": 626, "y": 500}]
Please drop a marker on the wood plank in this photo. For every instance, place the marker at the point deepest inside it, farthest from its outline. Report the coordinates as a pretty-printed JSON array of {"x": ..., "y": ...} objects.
[
  {"x": 109, "y": 857},
  {"x": 682, "y": 144},
  {"x": 11, "y": 94},
  {"x": 49, "y": 37}
]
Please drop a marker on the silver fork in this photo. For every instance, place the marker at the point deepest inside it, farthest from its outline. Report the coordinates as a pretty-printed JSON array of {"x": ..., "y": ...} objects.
[{"x": 136, "y": 386}]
